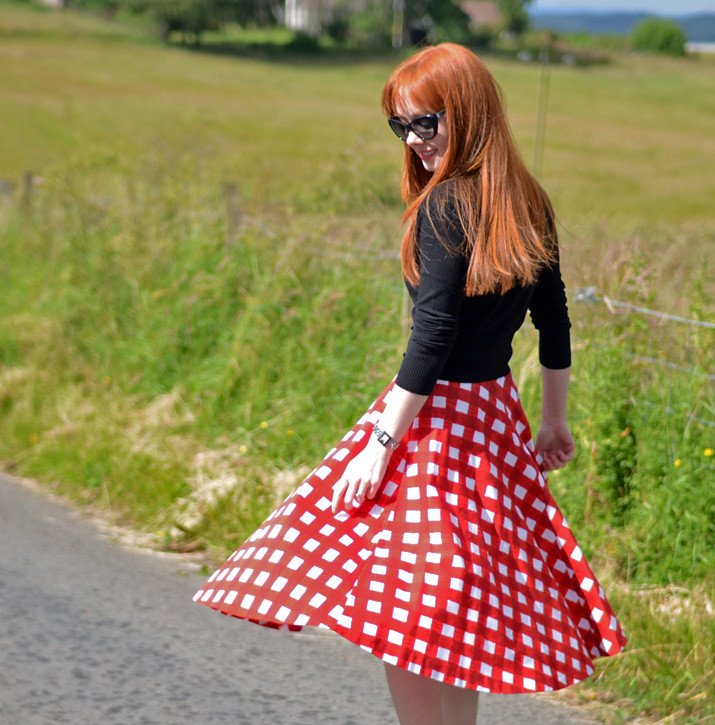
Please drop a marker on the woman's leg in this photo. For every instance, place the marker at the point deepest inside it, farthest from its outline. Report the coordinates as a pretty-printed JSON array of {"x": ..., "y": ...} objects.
[
  {"x": 417, "y": 699},
  {"x": 421, "y": 701},
  {"x": 459, "y": 705}
]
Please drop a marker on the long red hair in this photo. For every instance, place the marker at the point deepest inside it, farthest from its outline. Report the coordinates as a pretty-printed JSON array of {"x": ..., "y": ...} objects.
[{"x": 506, "y": 216}]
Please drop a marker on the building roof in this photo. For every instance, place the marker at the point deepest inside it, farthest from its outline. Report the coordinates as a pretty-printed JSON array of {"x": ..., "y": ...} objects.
[{"x": 481, "y": 12}]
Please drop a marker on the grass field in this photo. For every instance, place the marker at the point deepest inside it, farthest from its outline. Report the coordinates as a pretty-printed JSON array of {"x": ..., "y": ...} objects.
[{"x": 182, "y": 384}]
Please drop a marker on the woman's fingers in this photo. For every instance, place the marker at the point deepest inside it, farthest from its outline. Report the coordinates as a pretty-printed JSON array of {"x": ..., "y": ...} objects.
[
  {"x": 351, "y": 492},
  {"x": 347, "y": 489},
  {"x": 340, "y": 490},
  {"x": 556, "y": 459},
  {"x": 337, "y": 493},
  {"x": 361, "y": 480}
]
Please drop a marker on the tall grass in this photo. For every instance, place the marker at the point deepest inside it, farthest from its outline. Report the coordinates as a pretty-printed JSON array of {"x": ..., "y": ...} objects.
[{"x": 182, "y": 383}]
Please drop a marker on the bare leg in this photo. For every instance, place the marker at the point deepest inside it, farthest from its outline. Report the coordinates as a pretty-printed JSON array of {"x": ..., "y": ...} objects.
[
  {"x": 421, "y": 701},
  {"x": 459, "y": 705},
  {"x": 417, "y": 699}
]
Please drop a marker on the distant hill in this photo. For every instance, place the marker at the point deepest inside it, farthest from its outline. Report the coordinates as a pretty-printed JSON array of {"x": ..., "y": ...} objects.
[{"x": 699, "y": 27}]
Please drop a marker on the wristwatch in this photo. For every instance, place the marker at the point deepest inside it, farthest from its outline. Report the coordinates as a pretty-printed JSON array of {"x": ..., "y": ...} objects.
[{"x": 385, "y": 438}]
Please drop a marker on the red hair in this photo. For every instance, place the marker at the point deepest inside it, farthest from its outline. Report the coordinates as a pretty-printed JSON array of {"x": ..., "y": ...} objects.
[{"x": 506, "y": 216}]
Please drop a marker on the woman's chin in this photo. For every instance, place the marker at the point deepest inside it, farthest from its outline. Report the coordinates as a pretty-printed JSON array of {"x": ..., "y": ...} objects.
[{"x": 429, "y": 164}]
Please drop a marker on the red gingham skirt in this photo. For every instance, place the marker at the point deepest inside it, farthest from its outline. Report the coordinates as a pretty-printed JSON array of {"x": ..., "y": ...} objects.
[{"x": 462, "y": 569}]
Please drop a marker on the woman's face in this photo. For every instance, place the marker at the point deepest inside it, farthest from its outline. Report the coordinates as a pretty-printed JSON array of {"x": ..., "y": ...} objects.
[{"x": 430, "y": 151}]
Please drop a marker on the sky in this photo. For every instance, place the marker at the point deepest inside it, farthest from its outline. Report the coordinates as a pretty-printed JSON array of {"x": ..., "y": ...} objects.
[{"x": 662, "y": 7}]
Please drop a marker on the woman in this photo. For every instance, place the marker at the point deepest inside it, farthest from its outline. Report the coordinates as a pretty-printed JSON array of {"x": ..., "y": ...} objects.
[{"x": 428, "y": 536}]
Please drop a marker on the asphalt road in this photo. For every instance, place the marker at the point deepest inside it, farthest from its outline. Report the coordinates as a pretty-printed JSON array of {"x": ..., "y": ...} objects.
[{"x": 92, "y": 632}]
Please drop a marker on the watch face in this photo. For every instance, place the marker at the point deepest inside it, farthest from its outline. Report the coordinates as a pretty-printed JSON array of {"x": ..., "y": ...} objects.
[{"x": 384, "y": 438}]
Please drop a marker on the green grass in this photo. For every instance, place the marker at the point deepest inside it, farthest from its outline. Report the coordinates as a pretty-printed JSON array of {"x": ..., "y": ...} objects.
[{"x": 183, "y": 384}]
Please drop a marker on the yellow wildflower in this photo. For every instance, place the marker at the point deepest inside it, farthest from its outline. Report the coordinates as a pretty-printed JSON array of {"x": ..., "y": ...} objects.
[
  {"x": 708, "y": 452},
  {"x": 290, "y": 432},
  {"x": 677, "y": 463},
  {"x": 242, "y": 449},
  {"x": 263, "y": 425}
]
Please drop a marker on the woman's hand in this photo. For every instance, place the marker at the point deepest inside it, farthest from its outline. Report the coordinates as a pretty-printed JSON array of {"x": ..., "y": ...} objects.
[
  {"x": 555, "y": 443},
  {"x": 362, "y": 476}
]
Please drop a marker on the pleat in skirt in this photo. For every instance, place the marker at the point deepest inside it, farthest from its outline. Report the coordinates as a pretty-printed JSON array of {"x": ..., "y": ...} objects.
[{"x": 462, "y": 568}]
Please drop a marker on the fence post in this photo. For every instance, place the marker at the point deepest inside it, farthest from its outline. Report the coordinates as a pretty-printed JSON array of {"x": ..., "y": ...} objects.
[
  {"x": 233, "y": 212},
  {"x": 28, "y": 185},
  {"x": 540, "y": 130}
]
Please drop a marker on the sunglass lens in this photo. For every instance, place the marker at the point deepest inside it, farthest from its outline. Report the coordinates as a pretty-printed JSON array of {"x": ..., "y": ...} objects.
[
  {"x": 425, "y": 126},
  {"x": 399, "y": 128}
]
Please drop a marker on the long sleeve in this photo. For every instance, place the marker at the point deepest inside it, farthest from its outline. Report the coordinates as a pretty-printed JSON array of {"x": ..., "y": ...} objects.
[
  {"x": 440, "y": 295},
  {"x": 549, "y": 314}
]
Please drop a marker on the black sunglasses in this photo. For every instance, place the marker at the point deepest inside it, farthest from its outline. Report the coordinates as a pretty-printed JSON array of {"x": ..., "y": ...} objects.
[{"x": 423, "y": 126}]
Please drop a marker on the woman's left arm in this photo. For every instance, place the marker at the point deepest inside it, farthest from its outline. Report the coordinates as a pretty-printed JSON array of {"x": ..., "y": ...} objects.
[
  {"x": 364, "y": 474},
  {"x": 436, "y": 325}
]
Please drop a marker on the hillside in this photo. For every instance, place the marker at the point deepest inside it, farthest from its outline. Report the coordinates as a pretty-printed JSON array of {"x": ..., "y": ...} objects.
[{"x": 699, "y": 27}]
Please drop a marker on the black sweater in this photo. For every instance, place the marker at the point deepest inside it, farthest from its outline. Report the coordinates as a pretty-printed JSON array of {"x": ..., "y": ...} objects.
[{"x": 469, "y": 339}]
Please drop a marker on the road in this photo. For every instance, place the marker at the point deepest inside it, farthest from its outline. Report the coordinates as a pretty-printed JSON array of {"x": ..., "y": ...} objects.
[{"x": 93, "y": 632}]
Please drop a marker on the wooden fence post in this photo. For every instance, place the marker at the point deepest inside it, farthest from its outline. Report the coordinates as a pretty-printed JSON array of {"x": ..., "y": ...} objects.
[
  {"x": 28, "y": 185},
  {"x": 233, "y": 212}
]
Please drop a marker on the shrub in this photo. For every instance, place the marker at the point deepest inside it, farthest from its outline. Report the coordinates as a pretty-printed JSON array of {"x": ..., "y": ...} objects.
[
  {"x": 188, "y": 17},
  {"x": 372, "y": 25},
  {"x": 304, "y": 43},
  {"x": 657, "y": 35}
]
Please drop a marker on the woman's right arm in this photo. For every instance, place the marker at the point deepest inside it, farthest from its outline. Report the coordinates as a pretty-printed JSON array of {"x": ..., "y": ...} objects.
[
  {"x": 549, "y": 314},
  {"x": 554, "y": 441}
]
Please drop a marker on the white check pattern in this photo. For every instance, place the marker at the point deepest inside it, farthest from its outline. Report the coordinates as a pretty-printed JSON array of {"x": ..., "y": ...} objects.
[{"x": 462, "y": 569}]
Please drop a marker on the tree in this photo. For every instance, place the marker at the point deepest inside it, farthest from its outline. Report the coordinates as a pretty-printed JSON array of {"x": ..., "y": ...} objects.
[
  {"x": 252, "y": 12},
  {"x": 658, "y": 35},
  {"x": 444, "y": 19},
  {"x": 188, "y": 17},
  {"x": 194, "y": 17},
  {"x": 516, "y": 18}
]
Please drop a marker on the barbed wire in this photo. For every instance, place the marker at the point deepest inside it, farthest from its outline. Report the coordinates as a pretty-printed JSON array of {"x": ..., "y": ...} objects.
[
  {"x": 585, "y": 294},
  {"x": 337, "y": 252},
  {"x": 589, "y": 294},
  {"x": 670, "y": 365},
  {"x": 651, "y": 360},
  {"x": 671, "y": 411}
]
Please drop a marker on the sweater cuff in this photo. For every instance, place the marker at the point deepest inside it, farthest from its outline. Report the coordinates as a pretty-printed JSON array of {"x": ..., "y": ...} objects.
[
  {"x": 419, "y": 373},
  {"x": 555, "y": 349}
]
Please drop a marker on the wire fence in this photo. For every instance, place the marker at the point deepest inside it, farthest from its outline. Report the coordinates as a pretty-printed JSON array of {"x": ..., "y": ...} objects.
[
  {"x": 235, "y": 218},
  {"x": 672, "y": 411},
  {"x": 589, "y": 294}
]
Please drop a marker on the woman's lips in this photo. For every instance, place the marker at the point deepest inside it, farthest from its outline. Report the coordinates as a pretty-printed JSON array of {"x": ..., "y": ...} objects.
[{"x": 426, "y": 154}]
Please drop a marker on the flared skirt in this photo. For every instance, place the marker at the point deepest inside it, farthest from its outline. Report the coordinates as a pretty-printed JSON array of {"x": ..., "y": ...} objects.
[{"x": 462, "y": 568}]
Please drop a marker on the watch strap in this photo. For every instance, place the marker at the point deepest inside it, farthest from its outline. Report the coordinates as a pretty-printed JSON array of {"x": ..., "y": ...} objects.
[{"x": 384, "y": 438}]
